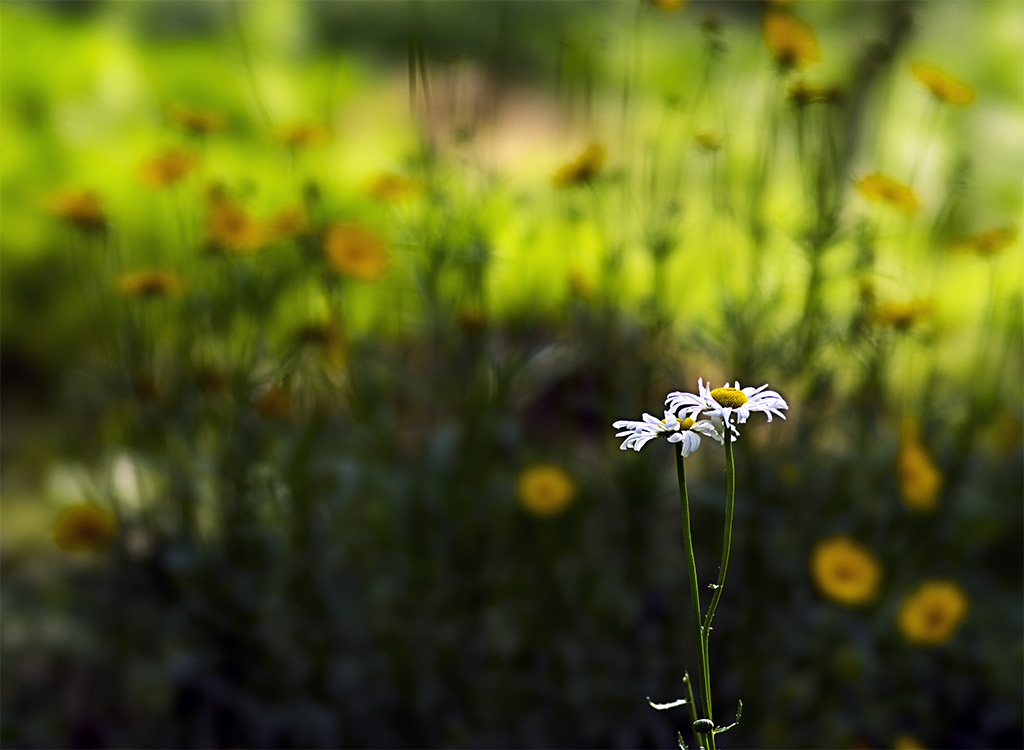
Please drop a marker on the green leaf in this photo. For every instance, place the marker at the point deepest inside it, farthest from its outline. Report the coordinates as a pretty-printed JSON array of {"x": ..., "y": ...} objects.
[
  {"x": 663, "y": 706},
  {"x": 739, "y": 713}
]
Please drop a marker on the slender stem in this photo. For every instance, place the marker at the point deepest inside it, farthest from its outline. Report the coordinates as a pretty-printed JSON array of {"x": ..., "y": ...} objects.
[
  {"x": 684, "y": 502},
  {"x": 691, "y": 704},
  {"x": 730, "y": 502},
  {"x": 929, "y": 119},
  {"x": 243, "y": 47}
]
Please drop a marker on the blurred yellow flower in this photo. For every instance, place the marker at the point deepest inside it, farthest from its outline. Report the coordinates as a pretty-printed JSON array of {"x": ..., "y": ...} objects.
[
  {"x": 987, "y": 243},
  {"x": 545, "y": 489},
  {"x": 845, "y": 571},
  {"x": 791, "y": 41},
  {"x": 302, "y": 134},
  {"x": 901, "y": 315},
  {"x": 82, "y": 208},
  {"x": 394, "y": 188},
  {"x": 354, "y": 250},
  {"x": 84, "y": 527},
  {"x": 286, "y": 223},
  {"x": 930, "y": 614},
  {"x": 878, "y": 187},
  {"x": 919, "y": 478},
  {"x": 943, "y": 86},
  {"x": 196, "y": 122},
  {"x": 708, "y": 140},
  {"x": 583, "y": 169},
  {"x": 167, "y": 168},
  {"x": 148, "y": 283},
  {"x": 579, "y": 285},
  {"x": 668, "y": 6},
  {"x": 230, "y": 227},
  {"x": 907, "y": 742}
]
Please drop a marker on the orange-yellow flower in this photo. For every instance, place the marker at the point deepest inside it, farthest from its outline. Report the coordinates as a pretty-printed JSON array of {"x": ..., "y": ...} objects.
[
  {"x": 943, "y": 86},
  {"x": 919, "y": 478},
  {"x": 84, "y": 527},
  {"x": 669, "y": 6},
  {"x": 167, "y": 168},
  {"x": 196, "y": 122},
  {"x": 302, "y": 134},
  {"x": 286, "y": 223},
  {"x": 230, "y": 227},
  {"x": 149, "y": 283},
  {"x": 579, "y": 285},
  {"x": 987, "y": 243},
  {"x": 354, "y": 250},
  {"x": 878, "y": 187},
  {"x": 901, "y": 315},
  {"x": 545, "y": 489},
  {"x": 708, "y": 140},
  {"x": 583, "y": 169},
  {"x": 930, "y": 615},
  {"x": 82, "y": 208},
  {"x": 791, "y": 41},
  {"x": 394, "y": 188},
  {"x": 907, "y": 742},
  {"x": 845, "y": 571}
]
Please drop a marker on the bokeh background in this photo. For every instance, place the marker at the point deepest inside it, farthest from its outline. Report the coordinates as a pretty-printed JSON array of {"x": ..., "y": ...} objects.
[{"x": 316, "y": 316}]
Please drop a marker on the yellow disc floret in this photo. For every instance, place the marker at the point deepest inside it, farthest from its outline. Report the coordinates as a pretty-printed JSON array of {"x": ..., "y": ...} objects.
[
  {"x": 729, "y": 397},
  {"x": 686, "y": 424}
]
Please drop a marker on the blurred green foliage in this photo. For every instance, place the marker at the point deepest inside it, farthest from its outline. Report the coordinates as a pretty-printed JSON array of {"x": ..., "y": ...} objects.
[{"x": 312, "y": 437}]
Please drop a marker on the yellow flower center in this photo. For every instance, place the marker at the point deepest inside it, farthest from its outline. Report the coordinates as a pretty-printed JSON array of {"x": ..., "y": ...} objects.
[
  {"x": 729, "y": 397},
  {"x": 686, "y": 424}
]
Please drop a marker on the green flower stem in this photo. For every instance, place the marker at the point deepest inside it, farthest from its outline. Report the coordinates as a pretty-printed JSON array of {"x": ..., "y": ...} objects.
[
  {"x": 694, "y": 602},
  {"x": 730, "y": 503},
  {"x": 690, "y": 702}
]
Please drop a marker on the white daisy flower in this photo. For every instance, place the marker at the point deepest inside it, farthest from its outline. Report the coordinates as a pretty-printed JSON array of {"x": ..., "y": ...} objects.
[
  {"x": 686, "y": 403},
  {"x": 689, "y": 434},
  {"x": 638, "y": 434},
  {"x": 682, "y": 430},
  {"x": 729, "y": 405}
]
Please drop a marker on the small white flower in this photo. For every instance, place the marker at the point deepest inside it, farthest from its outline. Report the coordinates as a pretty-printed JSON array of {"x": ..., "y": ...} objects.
[
  {"x": 681, "y": 430},
  {"x": 638, "y": 434},
  {"x": 729, "y": 405},
  {"x": 689, "y": 434}
]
